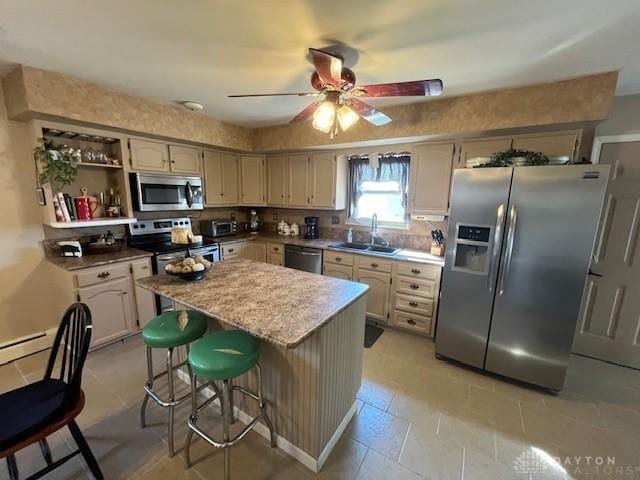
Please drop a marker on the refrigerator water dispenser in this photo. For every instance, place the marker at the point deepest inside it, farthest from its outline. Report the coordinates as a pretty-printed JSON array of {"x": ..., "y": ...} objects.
[{"x": 472, "y": 249}]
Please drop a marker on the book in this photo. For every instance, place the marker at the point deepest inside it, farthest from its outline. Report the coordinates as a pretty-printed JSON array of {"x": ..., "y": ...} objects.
[
  {"x": 57, "y": 209},
  {"x": 63, "y": 207},
  {"x": 70, "y": 206}
]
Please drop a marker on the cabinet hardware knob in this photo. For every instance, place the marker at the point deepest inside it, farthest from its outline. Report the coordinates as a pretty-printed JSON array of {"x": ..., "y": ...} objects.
[
  {"x": 145, "y": 267},
  {"x": 414, "y": 286},
  {"x": 338, "y": 259},
  {"x": 103, "y": 275},
  {"x": 276, "y": 249},
  {"x": 411, "y": 321},
  {"x": 374, "y": 265},
  {"x": 230, "y": 250},
  {"x": 415, "y": 270},
  {"x": 413, "y": 304}
]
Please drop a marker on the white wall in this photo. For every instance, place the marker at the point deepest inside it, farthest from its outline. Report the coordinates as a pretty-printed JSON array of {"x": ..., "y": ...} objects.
[{"x": 624, "y": 117}]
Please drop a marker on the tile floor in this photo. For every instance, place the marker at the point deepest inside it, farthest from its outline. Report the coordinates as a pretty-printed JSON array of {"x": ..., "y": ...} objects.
[{"x": 418, "y": 418}]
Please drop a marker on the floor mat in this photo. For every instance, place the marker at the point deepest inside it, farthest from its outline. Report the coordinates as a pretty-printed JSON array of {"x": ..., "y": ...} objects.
[{"x": 371, "y": 335}]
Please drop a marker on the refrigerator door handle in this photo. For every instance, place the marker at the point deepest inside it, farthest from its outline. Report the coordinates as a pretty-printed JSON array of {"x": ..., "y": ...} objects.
[
  {"x": 511, "y": 233},
  {"x": 497, "y": 240}
]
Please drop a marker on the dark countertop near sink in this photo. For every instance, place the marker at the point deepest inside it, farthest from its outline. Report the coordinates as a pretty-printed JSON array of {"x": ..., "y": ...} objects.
[
  {"x": 87, "y": 261},
  {"x": 406, "y": 254}
]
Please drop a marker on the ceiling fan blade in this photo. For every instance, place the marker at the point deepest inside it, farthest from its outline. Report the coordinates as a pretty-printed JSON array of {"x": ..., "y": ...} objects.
[
  {"x": 329, "y": 68},
  {"x": 305, "y": 94},
  {"x": 306, "y": 113},
  {"x": 367, "y": 112},
  {"x": 418, "y": 88}
]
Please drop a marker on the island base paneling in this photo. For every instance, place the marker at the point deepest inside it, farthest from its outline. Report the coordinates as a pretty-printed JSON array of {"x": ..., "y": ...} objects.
[{"x": 311, "y": 389}]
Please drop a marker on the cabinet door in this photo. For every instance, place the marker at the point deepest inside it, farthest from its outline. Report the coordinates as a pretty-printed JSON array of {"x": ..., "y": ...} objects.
[
  {"x": 232, "y": 250},
  {"x": 110, "y": 306},
  {"x": 480, "y": 148},
  {"x": 213, "y": 192},
  {"x": 145, "y": 301},
  {"x": 256, "y": 251},
  {"x": 252, "y": 179},
  {"x": 322, "y": 180},
  {"x": 552, "y": 145},
  {"x": 298, "y": 181},
  {"x": 184, "y": 159},
  {"x": 149, "y": 156},
  {"x": 430, "y": 178},
  {"x": 276, "y": 259},
  {"x": 230, "y": 179},
  {"x": 344, "y": 272},
  {"x": 276, "y": 180},
  {"x": 378, "y": 295}
]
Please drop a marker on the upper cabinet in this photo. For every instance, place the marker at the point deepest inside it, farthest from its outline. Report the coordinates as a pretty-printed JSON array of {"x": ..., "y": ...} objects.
[
  {"x": 220, "y": 178},
  {"x": 184, "y": 159},
  {"x": 252, "y": 180},
  {"x": 322, "y": 180},
  {"x": 430, "y": 178},
  {"x": 562, "y": 144},
  {"x": 276, "y": 181},
  {"x": 156, "y": 156},
  {"x": 311, "y": 181},
  {"x": 298, "y": 181},
  {"x": 480, "y": 148},
  {"x": 149, "y": 156}
]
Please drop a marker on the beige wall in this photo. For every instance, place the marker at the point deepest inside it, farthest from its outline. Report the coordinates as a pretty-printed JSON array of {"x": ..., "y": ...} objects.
[
  {"x": 27, "y": 296},
  {"x": 583, "y": 99},
  {"x": 32, "y": 92},
  {"x": 624, "y": 117}
]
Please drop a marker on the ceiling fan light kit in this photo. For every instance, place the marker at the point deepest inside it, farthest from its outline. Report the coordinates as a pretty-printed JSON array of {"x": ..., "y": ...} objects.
[{"x": 340, "y": 107}]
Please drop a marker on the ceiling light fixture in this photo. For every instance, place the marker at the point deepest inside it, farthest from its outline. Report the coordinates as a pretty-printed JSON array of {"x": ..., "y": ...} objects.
[
  {"x": 324, "y": 117},
  {"x": 347, "y": 117},
  {"x": 193, "y": 106}
]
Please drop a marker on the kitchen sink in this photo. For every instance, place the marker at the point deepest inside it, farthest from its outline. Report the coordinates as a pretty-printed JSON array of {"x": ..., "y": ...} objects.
[{"x": 366, "y": 248}]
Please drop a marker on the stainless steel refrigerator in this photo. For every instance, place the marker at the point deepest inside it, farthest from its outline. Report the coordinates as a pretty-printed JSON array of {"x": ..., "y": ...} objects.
[{"x": 518, "y": 250}]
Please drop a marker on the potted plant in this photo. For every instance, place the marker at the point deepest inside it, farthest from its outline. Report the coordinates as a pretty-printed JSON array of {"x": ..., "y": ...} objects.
[
  {"x": 59, "y": 166},
  {"x": 512, "y": 157}
]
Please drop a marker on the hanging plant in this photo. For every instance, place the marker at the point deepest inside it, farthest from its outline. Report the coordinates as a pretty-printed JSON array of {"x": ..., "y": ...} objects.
[
  {"x": 506, "y": 158},
  {"x": 59, "y": 167}
]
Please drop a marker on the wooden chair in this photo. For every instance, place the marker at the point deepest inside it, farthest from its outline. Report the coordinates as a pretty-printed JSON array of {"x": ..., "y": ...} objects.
[{"x": 31, "y": 413}]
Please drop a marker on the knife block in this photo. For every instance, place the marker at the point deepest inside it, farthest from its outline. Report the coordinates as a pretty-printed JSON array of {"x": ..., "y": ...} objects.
[{"x": 437, "y": 250}]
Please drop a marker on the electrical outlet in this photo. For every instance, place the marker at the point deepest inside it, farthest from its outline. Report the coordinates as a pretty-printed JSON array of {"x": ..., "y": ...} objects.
[
  {"x": 275, "y": 217},
  {"x": 335, "y": 219}
]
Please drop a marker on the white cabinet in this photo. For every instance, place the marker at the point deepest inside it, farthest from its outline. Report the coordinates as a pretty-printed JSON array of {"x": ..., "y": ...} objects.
[
  {"x": 184, "y": 159},
  {"x": 150, "y": 156},
  {"x": 429, "y": 186},
  {"x": 145, "y": 300},
  {"x": 322, "y": 180},
  {"x": 378, "y": 295},
  {"x": 277, "y": 181},
  {"x": 298, "y": 181},
  {"x": 256, "y": 251},
  {"x": 345, "y": 272},
  {"x": 252, "y": 176},
  {"x": 110, "y": 305}
]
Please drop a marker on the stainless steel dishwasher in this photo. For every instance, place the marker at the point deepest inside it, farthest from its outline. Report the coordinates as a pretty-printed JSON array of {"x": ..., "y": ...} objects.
[{"x": 303, "y": 258}]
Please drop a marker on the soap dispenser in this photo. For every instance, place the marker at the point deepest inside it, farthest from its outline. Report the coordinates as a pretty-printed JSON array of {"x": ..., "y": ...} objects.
[{"x": 350, "y": 236}]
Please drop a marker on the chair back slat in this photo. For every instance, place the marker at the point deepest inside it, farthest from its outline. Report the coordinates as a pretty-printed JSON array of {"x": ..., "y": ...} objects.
[{"x": 71, "y": 345}]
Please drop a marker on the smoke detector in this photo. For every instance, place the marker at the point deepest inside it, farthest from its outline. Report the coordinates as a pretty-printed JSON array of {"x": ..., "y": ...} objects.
[{"x": 193, "y": 106}]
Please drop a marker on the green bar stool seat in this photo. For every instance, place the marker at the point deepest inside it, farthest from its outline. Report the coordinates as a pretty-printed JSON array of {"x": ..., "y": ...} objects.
[
  {"x": 223, "y": 356},
  {"x": 164, "y": 331}
]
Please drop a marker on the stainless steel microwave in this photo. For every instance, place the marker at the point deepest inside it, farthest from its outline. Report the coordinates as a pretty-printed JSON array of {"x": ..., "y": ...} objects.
[{"x": 157, "y": 192}]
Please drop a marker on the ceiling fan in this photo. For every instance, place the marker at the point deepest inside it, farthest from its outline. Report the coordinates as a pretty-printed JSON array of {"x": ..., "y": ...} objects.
[{"x": 341, "y": 106}]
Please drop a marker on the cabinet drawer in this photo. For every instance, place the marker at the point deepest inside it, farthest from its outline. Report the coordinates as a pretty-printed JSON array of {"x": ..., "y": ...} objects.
[
  {"x": 101, "y": 274},
  {"x": 338, "y": 257},
  {"x": 276, "y": 248},
  {"x": 231, "y": 250},
  {"x": 419, "y": 270},
  {"x": 415, "y": 323},
  {"x": 338, "y": 271},
  {"x": 413, "y": 304},
  {"x": 141, "y": 268},
  {"x": 415, "y": 287},
  {"x": 276, "y": 259},
  {"x": 375, "y": 264}
]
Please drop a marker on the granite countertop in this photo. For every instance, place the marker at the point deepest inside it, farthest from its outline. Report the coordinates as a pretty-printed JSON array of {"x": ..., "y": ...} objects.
[
  {"x": 405, "y": 255},
  {"x": 86, "y": 261},
  {"x": 280, "y": 305}
]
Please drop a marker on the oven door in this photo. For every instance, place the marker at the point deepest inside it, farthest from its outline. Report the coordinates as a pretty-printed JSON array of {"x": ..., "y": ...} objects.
[{"x": 153, "y": 193}]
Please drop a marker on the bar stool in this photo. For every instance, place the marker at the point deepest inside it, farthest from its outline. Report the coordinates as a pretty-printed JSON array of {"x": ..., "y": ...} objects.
[
  {"x": 164, "y": 331},
  {"x": 223, "y": 356}
]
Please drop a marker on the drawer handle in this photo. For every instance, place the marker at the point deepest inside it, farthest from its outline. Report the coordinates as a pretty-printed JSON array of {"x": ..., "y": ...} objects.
[
  {"x": 276, "y": 249},
  {"x": 230, "y": 250},
  {"x": 338, "y": 259},
  {"x": 413, "y": 304},
  {"x": 145, "y": 267},
  {"x": 374, "y": 265},
  {"x": 415, "y": 286},
  {"x": 411, "y": 321},
  {"x": 415, "y": 270},
  {"x": 103, "y": 275}
]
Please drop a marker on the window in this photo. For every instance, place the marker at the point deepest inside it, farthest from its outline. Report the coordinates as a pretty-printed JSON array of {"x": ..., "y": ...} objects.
[{"x": 379, "y": 185}]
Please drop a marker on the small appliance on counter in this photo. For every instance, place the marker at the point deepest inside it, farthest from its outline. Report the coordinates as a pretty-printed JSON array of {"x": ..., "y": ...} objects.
[
  {"x": 70, "y": 248},
  {"x": 253, "y": 226},
  {"x": 218, "y": 228},
  {"x": 311, "y": 231}
]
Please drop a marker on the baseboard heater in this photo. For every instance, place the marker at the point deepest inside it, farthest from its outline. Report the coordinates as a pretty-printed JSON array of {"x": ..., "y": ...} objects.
[{"x": 20, "y": 347}]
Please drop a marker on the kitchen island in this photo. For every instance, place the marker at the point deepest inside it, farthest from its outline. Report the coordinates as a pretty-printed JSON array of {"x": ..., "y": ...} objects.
[{"x": 312, "y": 329}]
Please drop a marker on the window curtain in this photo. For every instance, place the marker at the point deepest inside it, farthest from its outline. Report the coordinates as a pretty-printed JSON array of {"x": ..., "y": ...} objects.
[{"x": 392, "y": 167}]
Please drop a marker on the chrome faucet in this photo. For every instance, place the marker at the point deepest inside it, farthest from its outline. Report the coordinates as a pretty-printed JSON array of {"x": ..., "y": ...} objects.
[{"x": 374, "y": 232}]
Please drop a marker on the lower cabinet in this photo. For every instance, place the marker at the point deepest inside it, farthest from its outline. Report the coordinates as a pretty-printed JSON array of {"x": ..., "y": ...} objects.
[
  {"x": 275, "y": 254},
  {"x": 344, "y": 272},
  {"x": 256, "y": 251},
  {"x": 110, "y": 305},
  {"x": 145, "y": 301},
  {"x": 378, "y": 296}
]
